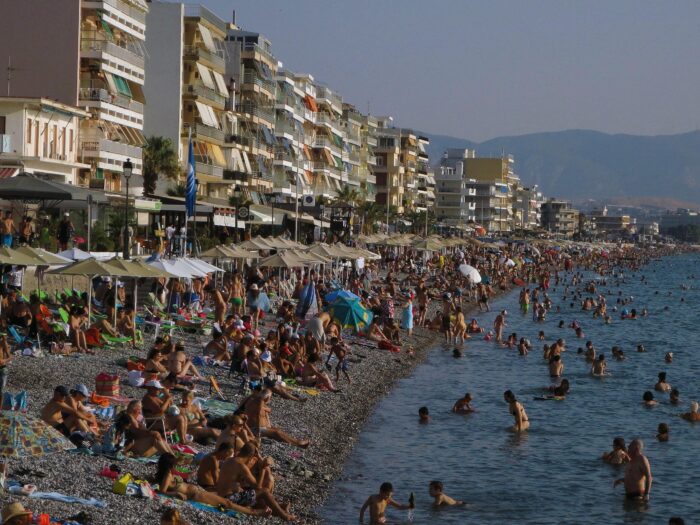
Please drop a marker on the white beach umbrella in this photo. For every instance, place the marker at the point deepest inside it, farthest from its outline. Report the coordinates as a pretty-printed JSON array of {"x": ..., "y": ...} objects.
[{"x": 471, "y": 272}]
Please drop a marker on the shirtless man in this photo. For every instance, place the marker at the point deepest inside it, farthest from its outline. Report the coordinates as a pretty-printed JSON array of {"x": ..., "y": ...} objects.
[
  {"x": 208, "y": 471},
  {"x": 220, "y": 305},
  {"x": 662, "y": 385},
  {"x": 84, "y": 418},
  {"x": 498, "y": 324},
  {"x": 7, "y": 229},
  {"x": 463, "y": 406},
  {"x": 340, "y": 351},
  {"x": 237, "y": 483},
  {"x": 440, "y": 499},
  {"x": 556, "y": 367},
  {"x": 55, "y": 410},
  {"x": 377, "y": 504},
  {"x": 156, "y": 407},
  {"x": 638, "y": 476},
  {"x": 600, "y": 367},
  {"x": 257, "y": 409}
]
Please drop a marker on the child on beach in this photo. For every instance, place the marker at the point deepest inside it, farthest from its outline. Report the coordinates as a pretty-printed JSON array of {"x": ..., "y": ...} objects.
[
  {"x": 441, "y": 499},
  {"x": 340, "y": 351},
  {"x": 377, "y": 504}
]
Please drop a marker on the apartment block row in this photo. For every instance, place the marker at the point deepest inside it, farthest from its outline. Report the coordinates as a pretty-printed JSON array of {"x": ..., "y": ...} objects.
[{"x": 101, "y": 75}]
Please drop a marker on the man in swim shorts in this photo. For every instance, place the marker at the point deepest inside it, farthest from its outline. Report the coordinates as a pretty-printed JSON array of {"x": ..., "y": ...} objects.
[{"x": 638, "y": 476}]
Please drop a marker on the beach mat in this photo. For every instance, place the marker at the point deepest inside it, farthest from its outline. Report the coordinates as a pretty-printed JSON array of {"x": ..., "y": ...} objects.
[{"x": 217, "y": 408}]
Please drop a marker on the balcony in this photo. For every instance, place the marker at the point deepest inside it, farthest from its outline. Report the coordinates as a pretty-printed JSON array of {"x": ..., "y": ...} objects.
[
  {"x": 197, "y": 53},
  {"x": 132, "y": 12},
  {"x": 251, "y": 79},
  {"x": 251, "y": 48},
  {"x": 204, "y": 167},
  {"x": 201, "y": 12},
  {"x": 95, "y": 48},
  {"x": 371, "y": 140},
  {"x": 202, "y": 130},
  {"x": 256, "y": 111},
  {"x": 102, "y": 95},
  {"x": 324, "y": 118},
  {"x": 201, "y": 91},
  {"x": 323, "y": 94},
  {"x": 93, "y": 147}
]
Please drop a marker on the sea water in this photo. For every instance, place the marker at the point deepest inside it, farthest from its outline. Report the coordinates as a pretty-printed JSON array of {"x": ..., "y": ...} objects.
[{"x": 553, "y": 473}]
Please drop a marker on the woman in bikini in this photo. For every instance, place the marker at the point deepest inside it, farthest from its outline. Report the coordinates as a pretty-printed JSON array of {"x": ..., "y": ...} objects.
[
  {"x": 460, "y": 328},
  {"x": 154, "y": 366},
  {"x": 517, "y": 411},
  {"x": 196, "y": 420}
]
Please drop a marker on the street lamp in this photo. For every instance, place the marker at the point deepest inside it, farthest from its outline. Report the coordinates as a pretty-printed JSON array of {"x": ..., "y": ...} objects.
[
  {"x": 127, "y": 169},
  {"x": 271, "y": 195},
  {"x": 237, "y": 199}
]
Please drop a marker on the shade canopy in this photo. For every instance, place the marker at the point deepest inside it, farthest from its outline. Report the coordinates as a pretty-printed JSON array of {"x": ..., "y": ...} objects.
[
  {"x": 428, "y": 245},
  {"x": 50, "y": 259},
  {"x": 471, "y": 272},
  {"x": 75, "y": 254},
  {"x": 22, "y": 436},
  {"x": 10, "y": 256},
  {"x": 224, "y": 252},
  {"x": 135, "y": 270},
  {"x": 30, "y": 188},
  {"x": 350, "y": 313},
  {"x": 89, "y": 267},
  {"x": 282, "y": 260}
]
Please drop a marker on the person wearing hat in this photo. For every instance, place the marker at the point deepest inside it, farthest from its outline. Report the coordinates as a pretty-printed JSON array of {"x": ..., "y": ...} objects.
[
  {"x": 156, "y": 404},
  {"x": 57, "y": 408},
  {"x": 254, "y": 300},
  {"x": 75, "y": 400},
  {"x": 15, "y": 514}
]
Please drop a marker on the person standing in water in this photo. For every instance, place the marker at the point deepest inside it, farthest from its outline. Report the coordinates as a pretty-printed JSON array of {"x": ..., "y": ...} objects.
[
  {"x": 517, "y": 410},
  {"x": 377, "y": 504},
  {"x": 638, "y": 476},
  {"x": 498, "y": 324}
]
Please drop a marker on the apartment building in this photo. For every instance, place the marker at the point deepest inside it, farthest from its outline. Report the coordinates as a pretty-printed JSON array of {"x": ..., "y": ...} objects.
[
  {"x": 455, "y": 202},
  {"x": 606, "y": 224},
  {"x": 526, "y": 208},
  {"x": 425, "y": 178},
  {"x": 252, "y": 66},
  {"x": 39, "y": 135},
  {"x": 330, "y": 170},
  {"x": 190, "y": 95},
  {"x": 96, "y": 61},
  {"x": 559, "y": 217},
  {"x": 368, "y": 157}
]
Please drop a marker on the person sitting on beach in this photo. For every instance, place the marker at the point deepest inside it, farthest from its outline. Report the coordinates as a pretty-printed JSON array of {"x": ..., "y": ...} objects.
[
  {"x": 378, "y": 503},
  {"x": 661, "y": 385},
  {"x": 55, "y": 412},
  {"x": 196, "y": 419},
  {"x": 440, "y": 499},
  {"x": 154, "y": 364},
  {"x": 618, "y": 455},
  {"x": 126, "y": 323},
  {"x": 600, "y": 367},
  {"x": 692, "y": 416},
  {"x": 662, "y": 432},
  {"x": 87, "y": 422},
  {"x": 77, "y": 334},
  {"x": 156, "y": 405},
  {"x": 556, "y": 367},
  {"x": 463, "y": 405},
  {"x": 236, "y": 432},
  {"x": 180, "y": 364},
  {"x": 638, "y": 478},
  {"x": 517, "y": 410},
  {"x": 257, "y": 409},
  {"x": 208, "y": 470},
  {"x": 140, "y": 441},
  {"x": 374, "y": 331},
  {"x": 648, "y": 399},
  {"x": 312, "y": 376},
  {"x": 238, "y": 484},
  {"x": 170, "y": 484}
]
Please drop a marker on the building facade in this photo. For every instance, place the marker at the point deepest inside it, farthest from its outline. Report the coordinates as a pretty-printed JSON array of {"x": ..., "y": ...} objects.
[
  {"x": 559, "y": 217},
  {"x": 455, "y": 202}
]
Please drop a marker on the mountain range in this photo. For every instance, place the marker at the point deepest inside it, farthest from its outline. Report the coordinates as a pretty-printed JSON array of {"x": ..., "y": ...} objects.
[{"x": 662, "y": 170}]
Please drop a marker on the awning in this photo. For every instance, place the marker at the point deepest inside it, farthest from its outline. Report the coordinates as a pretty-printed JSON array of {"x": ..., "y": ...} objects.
[
  {"x": 338, "y": 141},
  {"x": 111, "y": 82},
  {"x": 307, "y": 152},
  {"x": 122, "y": 86},
  {"x": 329, "y": 157},
  {"x": 267, "y": 135},
  {"x": 338, "y": 162},
  {"x": 260, "y": 214},
  {"x": 206, "y": 113},
  {"x": 220, "y": 83},
  {"x": 6, "y": 173},
  {"x": 205, "y": 75},
  {"x": 310, "y": 103},
  {"x": 207, "y": 38},
  {"x": 30, "y": 188},
  {"x": 218, "y": 155},
  {"x": 309, "y": 176}
]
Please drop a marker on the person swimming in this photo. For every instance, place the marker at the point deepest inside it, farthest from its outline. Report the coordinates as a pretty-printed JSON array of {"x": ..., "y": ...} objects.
[
  {"x": 463, "y": 405},
  {"x": 618, "y": 455},
  {"x": 648, "y": 399},
  {"x": 600, "y": 367},
  {"x": 423, "y": 415},
  {"x": 661, "y": 385}
]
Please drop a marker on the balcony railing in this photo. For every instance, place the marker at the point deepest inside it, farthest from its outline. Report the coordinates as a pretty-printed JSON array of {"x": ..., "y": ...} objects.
[
  {"x": 323, "y": 118},
  {"x": 255, "y": 48},
  {"x": 133, "y": 12},
  {"x": 196, "y": 53},
  {"x": 102, "y": 95},
  {"x": 256, "y": 111},
  {"x": 251, "y": 78},
  {"x": 128, "y": 54},
  {"x": 200, "y": 90},
  {"x": 207, "y": 131},
  {"x": 203, "y": 165},
  {"x": 199, "y": 11},
  {"x": 323, "y": 93}
]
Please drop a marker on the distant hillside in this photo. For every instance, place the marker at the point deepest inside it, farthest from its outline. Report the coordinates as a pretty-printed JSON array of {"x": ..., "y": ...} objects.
[{"x": 581, "y": 164}]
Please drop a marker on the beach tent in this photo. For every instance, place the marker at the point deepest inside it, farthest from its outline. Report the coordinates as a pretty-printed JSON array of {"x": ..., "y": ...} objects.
[
  {"x": 471, "y": 272},
  {"x": 22, "y": 436},
  {"x": 223, "y": 252},
  {"x": 350, "y": 313},
  {"x": 75, "y": 254}
]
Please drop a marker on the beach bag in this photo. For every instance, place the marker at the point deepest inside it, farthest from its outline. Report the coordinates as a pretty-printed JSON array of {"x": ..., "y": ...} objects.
[
  {"x": 106, "y": 385},
  {"x": 120, "y": 485}
]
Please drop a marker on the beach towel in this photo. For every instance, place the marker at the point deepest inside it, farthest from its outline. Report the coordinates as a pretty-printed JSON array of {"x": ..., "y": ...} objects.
[
  {"x": 217, "y": 408},
  {"x": 105, "y": 413},
  {"x": 15, "y": 488},
  {"x": 167, "y": 500}
]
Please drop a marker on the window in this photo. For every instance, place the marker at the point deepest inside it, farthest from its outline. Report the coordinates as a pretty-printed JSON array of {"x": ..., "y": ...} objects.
[
  {"x": 29, "y": 131},
  {"x": 70, "y": 144},
  {"x": 63, "y": 143},
  {"x": 2, "y": 125}
]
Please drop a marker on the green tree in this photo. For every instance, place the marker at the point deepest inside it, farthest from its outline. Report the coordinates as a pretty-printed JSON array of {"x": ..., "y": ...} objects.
[
  {"x": 347, "y": 196},
  {"x": 178, "y": 191},
  {"x": 159, "y": 160}
]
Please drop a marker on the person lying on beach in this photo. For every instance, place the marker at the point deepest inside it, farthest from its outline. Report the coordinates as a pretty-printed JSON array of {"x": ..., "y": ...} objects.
[
  {"x": 171, "y": 484},
  {"x": 238, "y": 484},
  {"x": 661, "y": 385},
  {"x": 208, "y": 470},
  {"x": 618, "y": 455},
  {"x": 257, "y": 409},
  {"x": 693, "y": 415},
  {"x": 440, "y": 499},
  {"x": 463, "y": 405},
  {"x": 378, "y": 503}
]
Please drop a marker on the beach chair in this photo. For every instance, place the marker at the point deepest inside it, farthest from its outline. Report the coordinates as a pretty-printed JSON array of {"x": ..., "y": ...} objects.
[
  {"x": 115, "y": 341},
  {"x": 65, "y": 317}
]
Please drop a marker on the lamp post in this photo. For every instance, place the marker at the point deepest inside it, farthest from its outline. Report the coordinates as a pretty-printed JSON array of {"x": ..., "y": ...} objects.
[
  {"x": 271, "y": 195},
  {"x": 237, "y": 197},
  {"x": 127, "y": 169}
]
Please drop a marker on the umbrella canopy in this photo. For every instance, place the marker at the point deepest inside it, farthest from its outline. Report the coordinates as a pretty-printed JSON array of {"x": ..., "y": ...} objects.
[
  {"x": 256, "y": 243},
  {"x": 349, "y": 313},
  {"x": 170, "y": 267},
  {"x": 89, "y": 267},
  {"x": 338, "y": 294},
  {"x": 471, "y": 272},
  {"x": 218, "y": 252},
  {"x": 135, "y": 269},
  {"x": 50, "y": 259},
  {"x": 309, "y": 257},
  {"x": 75, "y": 254},
  {"x": 10, "y": 256},
  {"x": 428, "y": 245},
  {"x": 282, "y": 260},
  {"x": 22, "y": 436},
  {"x": 324, "y": 250},
  {"x": 202, "y": 265},
  {"x": 29, "y": 188}
]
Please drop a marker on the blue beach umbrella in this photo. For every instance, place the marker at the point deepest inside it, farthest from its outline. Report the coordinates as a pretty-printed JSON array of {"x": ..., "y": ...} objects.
[
  {"x": 337, "y": 294},
  {"x": 349, "y": 313}
]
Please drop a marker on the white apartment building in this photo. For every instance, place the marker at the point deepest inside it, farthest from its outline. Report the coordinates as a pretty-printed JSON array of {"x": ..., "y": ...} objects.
[
  {"x": 455, "y": 202},
  {"x": 40, "y": 136}
]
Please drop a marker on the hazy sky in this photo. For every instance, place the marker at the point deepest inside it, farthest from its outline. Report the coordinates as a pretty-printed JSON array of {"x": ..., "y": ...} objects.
[{"x": 489, "y": 68}]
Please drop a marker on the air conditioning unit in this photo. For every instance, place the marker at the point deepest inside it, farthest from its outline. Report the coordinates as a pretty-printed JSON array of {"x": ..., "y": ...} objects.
[{"x": 309, "y": 201}]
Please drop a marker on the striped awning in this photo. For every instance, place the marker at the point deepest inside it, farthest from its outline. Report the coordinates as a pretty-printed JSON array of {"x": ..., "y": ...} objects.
[{"x": 6, "y": 173}]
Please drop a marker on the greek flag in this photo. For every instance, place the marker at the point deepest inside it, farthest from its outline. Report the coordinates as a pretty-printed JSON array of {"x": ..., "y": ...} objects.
[{"x": 190, "y": 185}]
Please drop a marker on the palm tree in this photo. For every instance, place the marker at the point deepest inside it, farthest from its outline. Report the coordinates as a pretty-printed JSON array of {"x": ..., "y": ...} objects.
[
  {"x": 371, "y": 212},
  {"x": 347, "y": 196},
  {"x": 159, "y": 160},
  {"x": 180, "y": 190}
]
